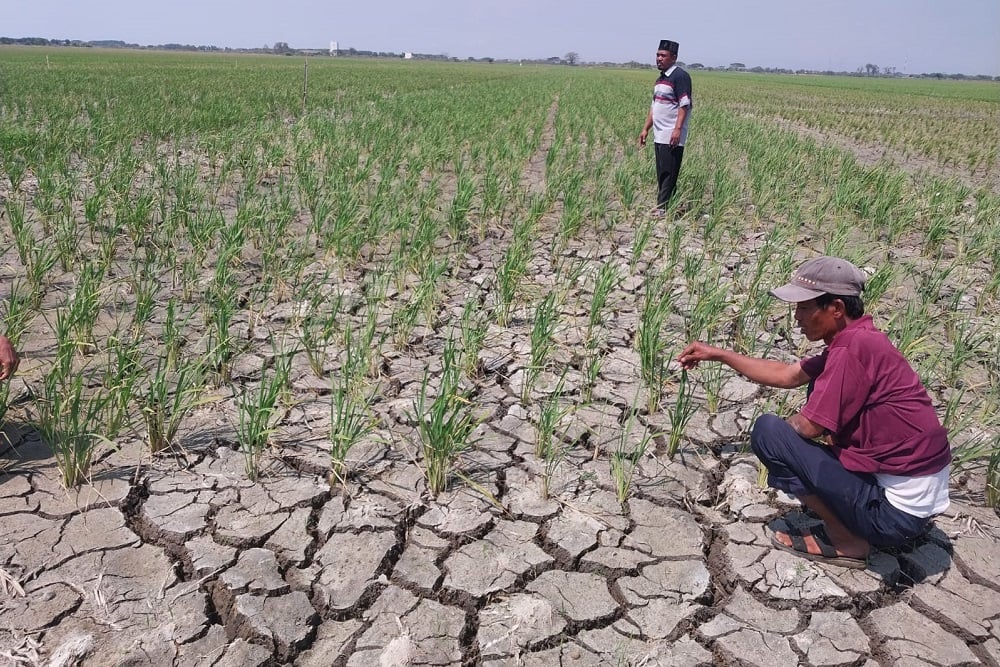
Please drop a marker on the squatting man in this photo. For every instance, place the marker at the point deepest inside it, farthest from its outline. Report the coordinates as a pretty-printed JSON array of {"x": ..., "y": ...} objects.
[{"x": 866, "y": 453}]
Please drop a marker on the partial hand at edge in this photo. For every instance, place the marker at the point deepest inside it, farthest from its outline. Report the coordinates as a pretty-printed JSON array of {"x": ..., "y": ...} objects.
[{"x": 8, "y": 358}]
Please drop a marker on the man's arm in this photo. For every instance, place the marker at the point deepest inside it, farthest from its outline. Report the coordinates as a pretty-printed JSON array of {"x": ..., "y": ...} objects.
[
  {"x": 645, "y": 128},
  {"x": 768, "y": 372},
  {"x": 675, "y": 136},
  {"x": 808, "y": 428},
  {"x": 8, "y": 358}
]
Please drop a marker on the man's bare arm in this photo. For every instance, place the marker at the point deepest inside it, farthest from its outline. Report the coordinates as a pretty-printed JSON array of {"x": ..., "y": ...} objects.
[
  {"x": 769, "y": 372},
  {"x": 808, "y": 428}
]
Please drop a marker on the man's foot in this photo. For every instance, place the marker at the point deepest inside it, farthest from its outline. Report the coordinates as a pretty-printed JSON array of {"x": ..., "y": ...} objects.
[
  {"x": 813, "y": 544},
  {"x": 656, "y": 213}
]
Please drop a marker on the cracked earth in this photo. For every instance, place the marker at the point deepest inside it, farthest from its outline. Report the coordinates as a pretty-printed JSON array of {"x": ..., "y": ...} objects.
[{"x": 194, "y": 564}]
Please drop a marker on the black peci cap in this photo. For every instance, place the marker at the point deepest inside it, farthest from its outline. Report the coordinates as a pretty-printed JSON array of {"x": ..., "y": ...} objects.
[{"x": 667, "y": 45}]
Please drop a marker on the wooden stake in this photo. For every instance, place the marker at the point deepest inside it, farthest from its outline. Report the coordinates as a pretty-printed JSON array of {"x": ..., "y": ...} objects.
[{"x": 305, "y": 86}]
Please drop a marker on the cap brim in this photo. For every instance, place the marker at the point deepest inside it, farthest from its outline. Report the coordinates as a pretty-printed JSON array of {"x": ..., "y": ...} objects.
[{"x": 794, "y": 293}]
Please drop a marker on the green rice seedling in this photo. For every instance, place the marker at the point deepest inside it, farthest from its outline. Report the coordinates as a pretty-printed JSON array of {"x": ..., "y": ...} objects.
[
  {"x": 256, "y": 410},
  {"x": 445, "y": 423},
  {"x": 675, "y": 244},
  {"x": 169, "y": 395},
  {"x": 705, "y": 316},
  {"x": 879, "y": 283},
  {"x": 66, "y": 343},
  {"x": 24, "y": 237},
  {"x": 543, "y": 328},
  {"x": 966, "y": 426},
  {"x": 85, "y": 305},
  {"x": 17, "y": 313},
  {"x": 351, "y": 419},
  {"x": 317, "y": 329},
  {"x": 93, "y": 208},
  {"x": 642, "y": 237},
  {"x": 650, "y": 343},
  {"x": 930, "y": 283},
  {"x": 593, "y": 362},
  {"x": 4, "y": 406},
  {"x": 145, "y": 285},
  {"x": 422, "y": 303},
  {"x": 910, "y": 329},
  {"x": 680, "y": 414},
  {"x": 839, "y": 240},
  {"x": 597, "y": 207},
  {"x": 750, "y": 319},
  {"x": 170, "y": 335},
  {"x": 548, "y": 446},
  {"x": 461, "y": 204},
  {"x": 606, "y": 280},
  {"x": 221, "y": 305},
  {"x": 492, "y": 191},
  {"x": 281, "y": 362},
  {"x": 509, "y": 274},
  {"x": 13, "y": 164},
  {"x": 475, "y": 326},
  {"x": 712, "y": 377},
  {"x": 573, "y": 207},
  {"x": 357, "y": 353},
  {"x": 370, "y": 342},
  {"x": 69, "y": 418},
  {"x": 693, "y": 267},
  {"x": 38, "y": 271},
  {"x": 67, "y": 235},
  {"x": 135, "y": 214},
  {"x": 629, "y": 450},
  {"x": 122, "y": 372},
  {"x": 993, "y": 477},
  {"x": 762, "y": 473},
  {"x": 969, "y": 341}
]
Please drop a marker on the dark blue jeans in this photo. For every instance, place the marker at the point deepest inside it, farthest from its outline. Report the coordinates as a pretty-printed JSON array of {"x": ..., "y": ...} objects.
[{"x": 802, "y": 467}]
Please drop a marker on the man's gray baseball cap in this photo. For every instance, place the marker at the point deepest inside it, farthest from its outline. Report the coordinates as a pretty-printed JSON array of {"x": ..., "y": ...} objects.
[{"x": 822, "y": 275}]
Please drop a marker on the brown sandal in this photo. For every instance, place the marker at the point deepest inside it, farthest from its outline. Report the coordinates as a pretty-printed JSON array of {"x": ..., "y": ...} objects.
[{"x": 827, "y": 553}]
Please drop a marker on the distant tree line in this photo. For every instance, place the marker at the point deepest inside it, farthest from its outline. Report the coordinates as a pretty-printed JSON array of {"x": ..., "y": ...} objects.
[{"x": 571, "y": 58}]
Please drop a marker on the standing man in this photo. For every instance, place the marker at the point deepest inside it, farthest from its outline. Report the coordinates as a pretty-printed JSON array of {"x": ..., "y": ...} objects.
[
  {"x": 668, "y": 118},
  {"x": 866, "y": 453}
]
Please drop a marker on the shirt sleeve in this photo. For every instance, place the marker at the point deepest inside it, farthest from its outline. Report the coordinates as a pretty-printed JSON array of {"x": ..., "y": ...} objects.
[
  {"x": 682, "y": 90},
  {"x": 813, "y": 366},
  {"x": 839, "y": 392}
]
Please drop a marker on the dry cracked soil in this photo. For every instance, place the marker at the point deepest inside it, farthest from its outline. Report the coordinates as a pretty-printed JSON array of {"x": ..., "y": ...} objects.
[
  {"x": 181, "y": 560},
  {"x": 190, "y": 563}
]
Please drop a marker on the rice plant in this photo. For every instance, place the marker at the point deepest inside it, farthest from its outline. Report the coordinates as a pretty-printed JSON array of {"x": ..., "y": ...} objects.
[
  {"x": 351, "y": 419},
  {"x": 169, "y": 394},
  {"x": 630, "y": 448},
  {"x": 475, "y": 326},
  {"x": 70, "y": 418},
  {"x": 993, "y": 478},
  {"x": 445, "y": 422},
  {"x": 651, "y": 344},
  {"x": 122, "y": 373},
  {"x": 544, "y": 325},
  {"x": 256, "y": 411},
  {"x": 549, "y": 446},
  {"x": 680, "y": 414},
  {"x": 606, "y": 280}
]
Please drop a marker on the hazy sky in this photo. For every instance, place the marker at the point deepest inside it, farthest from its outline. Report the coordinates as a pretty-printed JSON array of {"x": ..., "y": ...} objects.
[{"x": 914, "y": 36}]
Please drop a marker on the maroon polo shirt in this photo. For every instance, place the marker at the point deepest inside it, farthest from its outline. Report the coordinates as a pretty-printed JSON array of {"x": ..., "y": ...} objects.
[{"x": 866, "y": 394}]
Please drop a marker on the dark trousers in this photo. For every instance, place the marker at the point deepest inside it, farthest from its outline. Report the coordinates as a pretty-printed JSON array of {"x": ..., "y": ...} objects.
[
  {"x": 668, "y": 168},
  {"x": 802, "y": 467}
]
